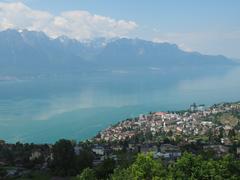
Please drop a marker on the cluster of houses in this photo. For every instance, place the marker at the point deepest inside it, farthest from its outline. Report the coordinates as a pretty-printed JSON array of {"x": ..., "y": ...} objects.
[
  {"x": 192, "y": 122},
  {"x": 189, "y": 123}
]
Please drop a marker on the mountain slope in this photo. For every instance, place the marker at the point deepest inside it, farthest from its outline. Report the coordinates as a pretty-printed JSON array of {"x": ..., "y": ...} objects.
[
  {"x": 129, "y": 52},
  {"x": 34, "y": 52}
]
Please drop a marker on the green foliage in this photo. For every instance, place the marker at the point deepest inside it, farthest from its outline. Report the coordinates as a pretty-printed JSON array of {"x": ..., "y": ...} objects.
[
  {"x": 126, "y": 159},
  {"x": 3, "y": 172},
  {"x": 85, "y": 159},
  {"x": 145, "y": 167},
  {"x": 186, "y": 166},
  {"x": 87, "y": 174},
  {"x": 122, "y": 174},
  {"x": 105, "y": 168},
  {"x": 36, "y": 175},
  {"x": 66, "y": 162},
  {"x": 63, "y": 158},
  {"x": 189, "y": 166}
]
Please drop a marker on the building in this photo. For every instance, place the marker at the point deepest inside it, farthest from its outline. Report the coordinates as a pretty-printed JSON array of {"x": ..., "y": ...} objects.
[
  {"x": 35, "y": 155},
  {"x": 168, "y": 151},
  {"x": 77, "y": 150},
  {"x": 98, "y": 150}
]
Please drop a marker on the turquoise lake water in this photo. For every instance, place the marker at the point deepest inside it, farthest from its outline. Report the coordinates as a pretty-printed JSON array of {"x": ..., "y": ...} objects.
[{"x": 45, "y": 108}]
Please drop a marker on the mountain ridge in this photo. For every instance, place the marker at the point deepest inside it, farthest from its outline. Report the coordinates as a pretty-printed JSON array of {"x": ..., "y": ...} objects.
[{"x": 31, "y": 51}]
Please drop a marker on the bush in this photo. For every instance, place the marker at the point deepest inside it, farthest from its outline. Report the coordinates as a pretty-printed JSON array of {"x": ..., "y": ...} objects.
[{"x": 87, "y": 174}]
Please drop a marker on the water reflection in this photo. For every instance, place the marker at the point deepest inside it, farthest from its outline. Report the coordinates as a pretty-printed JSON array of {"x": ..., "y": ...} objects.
[{"x": 37, "y": 110}]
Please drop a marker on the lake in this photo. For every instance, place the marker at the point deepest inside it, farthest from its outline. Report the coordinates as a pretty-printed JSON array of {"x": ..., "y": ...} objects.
[{"x": 44, "y": 108}]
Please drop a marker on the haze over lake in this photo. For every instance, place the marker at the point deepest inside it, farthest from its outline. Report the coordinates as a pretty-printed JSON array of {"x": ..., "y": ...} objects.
[
  {"x": 52, "y": 88},
  {"x": 45, "y": 108}
]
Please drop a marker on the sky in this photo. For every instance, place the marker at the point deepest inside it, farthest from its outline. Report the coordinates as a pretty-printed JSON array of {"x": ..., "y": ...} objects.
[{"x": 206, "y": 26}]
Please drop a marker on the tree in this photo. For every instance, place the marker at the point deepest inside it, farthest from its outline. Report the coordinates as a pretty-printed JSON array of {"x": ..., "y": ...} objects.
[
  {"x": 228, "y": 167},
  {"x": 84, "y": 159},
  {"x": 121, "y": 174},
  {"x": 87, "y": 174},
  {"x": 191, "y": 166},
  {"x": 169, "y": 133},
  {"x": 187, "y": 166},
  {"x": 221, "y": 133},
  {"x": 145, "y": 167},
  {"x": 3, "y": 173},
  {"x": 231, "y": 133},
  {"x": 64, "y": 158},
  {"x": 105, "y": 168}
]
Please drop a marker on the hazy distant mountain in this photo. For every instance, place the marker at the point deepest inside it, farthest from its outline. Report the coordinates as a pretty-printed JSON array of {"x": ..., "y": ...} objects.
[
  {"x": 34, "y": 52},
  {"x": 135, "y": 52}
]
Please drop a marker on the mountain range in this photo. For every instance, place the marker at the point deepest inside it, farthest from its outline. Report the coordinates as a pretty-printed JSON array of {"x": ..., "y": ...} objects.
[{"x": 34, "y": 52}]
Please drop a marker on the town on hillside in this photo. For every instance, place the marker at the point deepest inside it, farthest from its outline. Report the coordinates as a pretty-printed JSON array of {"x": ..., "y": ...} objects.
[{"x": 196, "y": 121}]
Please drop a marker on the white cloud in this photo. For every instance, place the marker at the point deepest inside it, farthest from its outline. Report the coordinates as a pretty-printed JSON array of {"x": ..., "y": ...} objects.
[{"x": 80, "y": 25}]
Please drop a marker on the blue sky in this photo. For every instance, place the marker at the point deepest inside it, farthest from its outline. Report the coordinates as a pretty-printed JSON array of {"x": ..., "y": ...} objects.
[
  {"x": 164, "y": 14},
  {"x": 208, "y": 26}
]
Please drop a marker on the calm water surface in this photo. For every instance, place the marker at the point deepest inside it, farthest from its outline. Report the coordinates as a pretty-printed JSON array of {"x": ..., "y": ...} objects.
[{"x": 42, "y": 109}]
